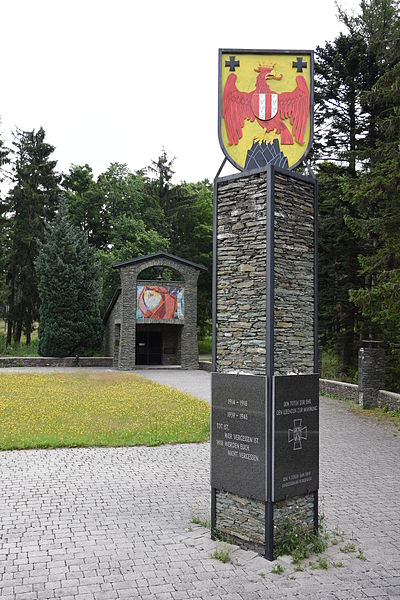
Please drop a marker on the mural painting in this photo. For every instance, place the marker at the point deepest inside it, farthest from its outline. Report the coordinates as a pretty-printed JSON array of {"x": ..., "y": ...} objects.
[{"x": 160, "y": 302}]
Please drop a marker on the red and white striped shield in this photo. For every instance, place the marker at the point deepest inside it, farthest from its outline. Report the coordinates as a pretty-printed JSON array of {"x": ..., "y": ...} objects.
[{"x": 264, "y": 106}]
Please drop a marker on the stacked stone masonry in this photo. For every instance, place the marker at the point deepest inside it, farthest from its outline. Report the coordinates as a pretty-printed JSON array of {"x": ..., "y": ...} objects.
[
  {"x": 112, "y": 330},
  {"x": 104, "y": 362},
  {"x": 294, "y": 276},
  {"x": 241, "y": 291},
  {"x": 371, "y": 375},
  {"x": 241, "y": 312}
]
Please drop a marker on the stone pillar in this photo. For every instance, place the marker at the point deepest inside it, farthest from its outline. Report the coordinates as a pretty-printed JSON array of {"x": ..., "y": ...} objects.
[
  {"x": 189, "y": 345},
  {"x": 253, "y": 211},
  {"x": 371, "y": 372},
  {"x": 127, "y": 346}
]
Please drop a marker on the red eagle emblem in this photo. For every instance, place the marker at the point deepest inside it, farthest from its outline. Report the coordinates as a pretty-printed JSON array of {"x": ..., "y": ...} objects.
[{"x": 267, "y": 106}]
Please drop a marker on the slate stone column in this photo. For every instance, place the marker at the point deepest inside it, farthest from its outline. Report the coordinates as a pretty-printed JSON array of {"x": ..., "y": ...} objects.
[
  {"x": 371, "y": 372},
  {"x": 127, "y": 346},
  {"x": 189, "y": 348},
  {"x": 264, "y": 239}
]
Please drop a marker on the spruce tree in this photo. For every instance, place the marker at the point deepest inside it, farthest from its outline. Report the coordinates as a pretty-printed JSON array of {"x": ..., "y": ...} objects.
[
  {"x": 348, "y": 121},
  {"x": 377, "y": 198},
  {"x": 4, "y": 160},
  {"x": 29, "y": 205},
  {"x": 70, "y": 289}
]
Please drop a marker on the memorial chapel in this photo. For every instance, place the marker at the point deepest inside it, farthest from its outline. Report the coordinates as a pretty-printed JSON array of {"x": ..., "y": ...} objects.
[{"x": 152, "y": 317}]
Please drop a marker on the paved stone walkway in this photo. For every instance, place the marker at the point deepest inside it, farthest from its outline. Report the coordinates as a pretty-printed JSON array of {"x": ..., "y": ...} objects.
[
  {"x": 94, "y": 524},
  {"x": 192, "y": 382}
]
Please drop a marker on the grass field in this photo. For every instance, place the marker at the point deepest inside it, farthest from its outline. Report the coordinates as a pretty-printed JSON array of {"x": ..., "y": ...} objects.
[
  {"x": 205, "y": 345},
  {"x": 96, "y": 409}
]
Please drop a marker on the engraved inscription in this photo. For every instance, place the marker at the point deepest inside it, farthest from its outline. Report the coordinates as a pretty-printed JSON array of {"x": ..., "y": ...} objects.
[
  {"x": 296, "y": 435},
  {"x": 238, "y": 434}
]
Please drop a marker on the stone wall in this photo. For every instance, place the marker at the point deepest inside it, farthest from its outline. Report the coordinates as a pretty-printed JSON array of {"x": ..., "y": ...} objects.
[
  {"x": 389, "y": 400},
  {"x": 241, "y": 311},
  {"x": 205, "y": 365},
  {"x": 337, "y": 388},
  {"x": 68, "y": 361},
  {"x": 349, "y": 391},
  {"x": 114, "y": 318}
]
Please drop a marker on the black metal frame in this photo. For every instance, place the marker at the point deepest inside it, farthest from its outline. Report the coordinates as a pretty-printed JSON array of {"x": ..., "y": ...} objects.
[
  {"x": 316, "y": 518},
  {"x": 270, "y": 171},
  {"x": 214, "y": 324},
  {"x": 222, "y": 51},
  {"x": 269, "y": 350}
]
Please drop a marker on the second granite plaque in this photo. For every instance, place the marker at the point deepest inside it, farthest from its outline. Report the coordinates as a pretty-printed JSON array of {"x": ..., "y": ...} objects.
[{"x": 296, "y": 435}]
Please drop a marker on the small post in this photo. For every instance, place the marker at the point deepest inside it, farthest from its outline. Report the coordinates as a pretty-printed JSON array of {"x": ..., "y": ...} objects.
[
  {"x": 77, "y": 360},
  {"x": 213, "y": 512},
  {"x": 371, "y": 372},
  {"x": 269, "y": 530},
  {"x": 319, "y": 361}
]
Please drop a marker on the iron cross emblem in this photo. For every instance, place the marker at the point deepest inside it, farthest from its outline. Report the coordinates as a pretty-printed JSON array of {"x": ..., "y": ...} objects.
[{"x": 297, "y": 434}]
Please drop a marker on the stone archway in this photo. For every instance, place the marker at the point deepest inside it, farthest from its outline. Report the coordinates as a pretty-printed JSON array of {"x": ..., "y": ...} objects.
[{"x": 186, "y": 346}]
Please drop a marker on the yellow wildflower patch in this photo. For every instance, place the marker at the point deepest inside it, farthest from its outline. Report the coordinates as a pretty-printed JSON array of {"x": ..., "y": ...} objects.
[{"x": 96, "y": 409}]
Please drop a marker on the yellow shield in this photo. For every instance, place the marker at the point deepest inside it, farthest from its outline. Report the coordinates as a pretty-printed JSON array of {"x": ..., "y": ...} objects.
[{"x": 265, "y": 107}]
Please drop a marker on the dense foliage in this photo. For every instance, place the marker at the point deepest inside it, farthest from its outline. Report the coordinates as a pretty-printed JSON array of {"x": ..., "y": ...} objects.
[
  {"x": 357, "y": 158},
  {"x": 122, "y": 215}
]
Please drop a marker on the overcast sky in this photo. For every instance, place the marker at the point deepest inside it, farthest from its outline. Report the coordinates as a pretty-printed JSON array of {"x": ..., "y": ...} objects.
[{"x": 118, "y": 80}]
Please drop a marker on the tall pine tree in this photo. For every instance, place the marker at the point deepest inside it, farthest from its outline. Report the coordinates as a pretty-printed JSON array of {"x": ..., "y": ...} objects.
[
  {"x": 29, "y": 205},
  {"x": 70, "y": 289},
  {"x": 347, "y": 69},
  {"x": 4, "y": 160},
  {"x": 377, "y": 197}
]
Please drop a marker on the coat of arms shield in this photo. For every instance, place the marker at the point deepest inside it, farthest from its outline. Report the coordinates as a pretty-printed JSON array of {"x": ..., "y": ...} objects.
[{"x": 265, "y": 107}]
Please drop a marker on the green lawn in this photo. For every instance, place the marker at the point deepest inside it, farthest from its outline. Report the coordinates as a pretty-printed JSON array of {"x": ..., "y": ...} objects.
[
  {"x": 96, "y": 409},
  {"x": 205, "y": 345}
]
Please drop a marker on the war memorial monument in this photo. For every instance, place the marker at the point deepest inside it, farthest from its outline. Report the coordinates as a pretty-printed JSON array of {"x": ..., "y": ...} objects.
[{"x": 265, "y": 400}]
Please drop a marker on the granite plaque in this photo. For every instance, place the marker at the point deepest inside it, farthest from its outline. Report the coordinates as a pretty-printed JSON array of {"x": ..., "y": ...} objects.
[
  {"x": 238, "y": 434},
  {"x": 296, "y": 435}
]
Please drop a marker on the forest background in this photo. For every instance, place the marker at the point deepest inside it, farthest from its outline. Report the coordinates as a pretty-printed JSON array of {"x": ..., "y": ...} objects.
[{"x": 356, "y": 157}]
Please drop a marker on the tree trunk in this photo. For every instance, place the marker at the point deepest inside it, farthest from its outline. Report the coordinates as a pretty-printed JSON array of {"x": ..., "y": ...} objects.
[
  {"x": 9, "y": 332},
  {"x": 17, "y": 333},
  {"x": 348, "y": 348},
  {"x": 28, "y": 338}
]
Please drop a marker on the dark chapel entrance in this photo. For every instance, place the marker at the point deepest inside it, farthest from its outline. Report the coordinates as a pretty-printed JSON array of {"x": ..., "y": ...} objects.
[{"x": 148, "y": 347}]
